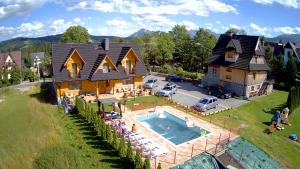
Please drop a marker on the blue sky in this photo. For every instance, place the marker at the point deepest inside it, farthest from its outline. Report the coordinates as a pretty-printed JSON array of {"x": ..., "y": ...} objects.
[{"x": 33, "y": 18}]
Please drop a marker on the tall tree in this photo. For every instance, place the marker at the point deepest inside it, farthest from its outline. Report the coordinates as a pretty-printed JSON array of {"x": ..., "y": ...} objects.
[
  {"x": 291, "y": 71},
  {"x": 75, "y": 34},
  {"x": 165, "y": 47},
  {"x": 182, "y": 52},
  {"x": 279, "y": 70},
  {"x": 203, "y": 44},
  {"x": 15, "y": 75}
]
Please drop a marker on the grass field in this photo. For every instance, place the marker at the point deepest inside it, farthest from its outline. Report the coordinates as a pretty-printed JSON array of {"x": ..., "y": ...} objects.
[
  {"x": 254, "y": 121},
  {"x": 27, "y": 125}
]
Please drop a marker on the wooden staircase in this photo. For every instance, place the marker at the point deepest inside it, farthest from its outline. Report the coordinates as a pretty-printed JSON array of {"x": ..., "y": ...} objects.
[{"x": 263, "y": 89}]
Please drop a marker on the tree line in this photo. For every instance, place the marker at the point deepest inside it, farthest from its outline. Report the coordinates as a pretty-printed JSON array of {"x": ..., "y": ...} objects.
[
  {"x": 282, "y": 73},
  {"x": 177, "y": 48}
]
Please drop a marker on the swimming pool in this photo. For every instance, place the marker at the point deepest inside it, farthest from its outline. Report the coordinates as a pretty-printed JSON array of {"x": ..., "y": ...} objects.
[{"x": 171, "y": 127}]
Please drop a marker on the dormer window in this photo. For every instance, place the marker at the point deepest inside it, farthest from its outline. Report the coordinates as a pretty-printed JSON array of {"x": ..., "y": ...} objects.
[
  {"x": 105, "y": 68},
  {"x": 74, "y": 70}
]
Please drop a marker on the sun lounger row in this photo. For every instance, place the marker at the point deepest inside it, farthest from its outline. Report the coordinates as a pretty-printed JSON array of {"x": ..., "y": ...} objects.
[{"x": 148, "y": 146}]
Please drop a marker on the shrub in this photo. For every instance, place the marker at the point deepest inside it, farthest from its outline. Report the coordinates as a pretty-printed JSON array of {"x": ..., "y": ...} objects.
[
  {"x": 57, "y": 157},
  {"x": 116, "y": 140},
  {"x": 138, "y": 162},
  {"x": 122, "y": 148},
  {"x": 129, "y": 155},
  {"x": 293, "y": 100},
  {"x": 147, "y": 164}
]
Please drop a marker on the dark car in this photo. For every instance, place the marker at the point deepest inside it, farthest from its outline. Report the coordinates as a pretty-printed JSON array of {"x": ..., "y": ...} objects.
[
  {"x": 219, "y": 91},
  {"x": 174, "y": 78}
]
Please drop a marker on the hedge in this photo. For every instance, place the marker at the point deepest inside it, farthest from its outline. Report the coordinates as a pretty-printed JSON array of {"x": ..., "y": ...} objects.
[
  {"x": 168, "y": 69},
  {"x": 293, "y": 100},
  {"x": 108, "y": 134}
]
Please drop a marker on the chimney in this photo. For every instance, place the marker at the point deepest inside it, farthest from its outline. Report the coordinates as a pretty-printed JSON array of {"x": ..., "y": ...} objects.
[{"x": 106, "y": 44}]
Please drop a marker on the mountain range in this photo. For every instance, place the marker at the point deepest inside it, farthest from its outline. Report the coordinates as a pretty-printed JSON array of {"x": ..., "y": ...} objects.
[{"x": 18, "y": 43}]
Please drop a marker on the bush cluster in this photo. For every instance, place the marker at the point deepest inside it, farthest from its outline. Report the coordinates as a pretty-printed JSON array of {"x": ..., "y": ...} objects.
[
  {"x": 130, "y": 158},
  {"x": 168, "y": 69}
]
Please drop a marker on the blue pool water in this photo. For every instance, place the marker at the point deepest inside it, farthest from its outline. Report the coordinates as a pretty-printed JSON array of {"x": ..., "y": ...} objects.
[{"x": 171, "y": 127}]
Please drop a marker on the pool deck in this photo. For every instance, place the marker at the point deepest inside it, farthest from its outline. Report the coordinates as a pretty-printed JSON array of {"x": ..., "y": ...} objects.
[{"x": 183, "y": 151}]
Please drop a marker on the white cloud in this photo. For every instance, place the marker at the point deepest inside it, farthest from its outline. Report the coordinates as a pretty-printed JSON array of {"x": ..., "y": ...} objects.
[
  {"x": 26, "y": 29},
  {"x": 218, "y": 22},
  {"x": 154, "y": 22},
  {"x": 287, "y": 30},
  {"x": 181, "y": 7},
  {"x": 60, "y": 25},
  {"x": 234, "y": 26},
  {"x": 259, "y": 30},
  {"x": 190, "y": 25},
  {"x": 118, "y": 27},
  {"x": 287, "y": 3},
  {"x": 10, "y": 8}
]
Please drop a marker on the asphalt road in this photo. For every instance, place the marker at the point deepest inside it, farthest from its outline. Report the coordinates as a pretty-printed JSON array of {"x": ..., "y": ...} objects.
[{"x": 189, "y": 94}]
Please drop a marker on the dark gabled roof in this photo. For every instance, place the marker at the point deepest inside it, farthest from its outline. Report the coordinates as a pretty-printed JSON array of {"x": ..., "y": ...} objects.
[
  {"x": 248, "y": 48},
  {"x": 93, "y": 54},
  {"x": 295, "y": 48},
  {"x": 298, "y": 54},
  {"x": 233, "y": 43},
  {"x": 15, "y": 56}
]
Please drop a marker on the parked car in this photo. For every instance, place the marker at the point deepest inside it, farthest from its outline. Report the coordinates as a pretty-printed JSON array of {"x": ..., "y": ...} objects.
[
  {"x": 168, "y": 90},
  {"x": 206, "y": 103},
  {"x": 219, "y": 91},
  {"x": 174, "y": 78},
  {"x": 151, "y": 83}
]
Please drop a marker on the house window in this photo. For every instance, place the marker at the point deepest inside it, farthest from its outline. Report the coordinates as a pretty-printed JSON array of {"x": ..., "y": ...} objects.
[
  {"x": 229, "y": 70},
  {"x": 128, "y": 66},
  {"x": 254, "y": 76},
  {"x": 214, "y": 71},
  {"x": 252, "y": 88},
  {"x": 128, "y": 81},
  {"x": 74, "y": 70},
  {"x": 105, "y": 68},
  {"x": 74, "y": 85},
  {"x": 228, "y": 77}
]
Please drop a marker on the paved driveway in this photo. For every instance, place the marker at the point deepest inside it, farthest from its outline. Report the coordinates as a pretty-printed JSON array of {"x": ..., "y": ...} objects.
[{"x": 189, "y": 94}]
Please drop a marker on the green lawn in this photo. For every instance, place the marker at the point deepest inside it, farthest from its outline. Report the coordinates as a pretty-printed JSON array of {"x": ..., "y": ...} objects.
[
  {"x": 148, "y": 101},
  {"x": 28, "y": 125},
  {"x": 254, "y": 121}
]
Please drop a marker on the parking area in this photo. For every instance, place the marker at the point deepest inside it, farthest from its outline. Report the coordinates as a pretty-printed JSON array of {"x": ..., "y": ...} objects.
[{"x": 189, "y": 94}]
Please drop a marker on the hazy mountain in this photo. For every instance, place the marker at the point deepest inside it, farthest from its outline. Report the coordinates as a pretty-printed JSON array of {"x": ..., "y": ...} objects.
[
  {"x": 140, "y": 33},
  {"x": 285, "y": 38},
  {"x": 18, "y": 43}
]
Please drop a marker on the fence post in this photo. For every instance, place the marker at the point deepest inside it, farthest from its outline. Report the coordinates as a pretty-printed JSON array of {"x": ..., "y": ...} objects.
[
  {"x": 220, "y": 138},
  {"x": 175, "y": 158},
  {"x": 155, "y": 162},
  {"x": 192, "y": 150},
  {"x": 205, "y": 145},
  {"x": 216, "y": 149}
]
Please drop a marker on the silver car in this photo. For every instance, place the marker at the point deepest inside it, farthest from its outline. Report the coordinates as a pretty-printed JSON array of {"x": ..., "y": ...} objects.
[
  {"x": 168, "y": 90},
  {"x": 151, "y": 83},
  {"x": 206, "y": 103}
]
